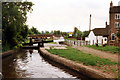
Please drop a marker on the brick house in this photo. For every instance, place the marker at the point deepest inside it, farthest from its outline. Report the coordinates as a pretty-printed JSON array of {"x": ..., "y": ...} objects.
[
  {"x": 110, "y": 31},
  {"x": 114, "y": 23}
]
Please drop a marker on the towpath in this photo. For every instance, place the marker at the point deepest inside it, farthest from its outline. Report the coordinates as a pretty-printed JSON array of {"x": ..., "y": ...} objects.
[{"x": 102, "y": 54}]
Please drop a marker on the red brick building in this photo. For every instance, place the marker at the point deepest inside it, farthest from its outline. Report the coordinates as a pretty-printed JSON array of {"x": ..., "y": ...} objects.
[{"x": 114, "y": 23}]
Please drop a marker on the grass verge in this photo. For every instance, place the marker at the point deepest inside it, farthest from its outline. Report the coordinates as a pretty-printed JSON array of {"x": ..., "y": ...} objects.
[
  {"x": 112, "y": 49},
  {"x": 102, "y": 64},
  {"x": 51, "y": 43},
  {"x": 79, "y": 56}
]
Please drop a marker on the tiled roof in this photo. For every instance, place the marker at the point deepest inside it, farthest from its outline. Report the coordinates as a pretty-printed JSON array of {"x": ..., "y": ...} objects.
[
  {"x": 101, "y": 31},
  {"x": 58, "y": 35},
  {"x": 41, "y": 35},
  {"x": 115, "y": 9}
]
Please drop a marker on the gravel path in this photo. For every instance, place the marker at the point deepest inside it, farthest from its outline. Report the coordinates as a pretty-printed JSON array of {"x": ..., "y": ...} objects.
[{"x": 102, "y": 54}]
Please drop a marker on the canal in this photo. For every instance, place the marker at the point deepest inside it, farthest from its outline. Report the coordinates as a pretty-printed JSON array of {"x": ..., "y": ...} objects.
[{"x": 30, "y": 64}]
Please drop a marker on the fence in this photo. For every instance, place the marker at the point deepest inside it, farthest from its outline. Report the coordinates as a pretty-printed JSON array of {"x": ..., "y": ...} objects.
[
  {"x": 77, "y": 42},
  {"x": 93, "y": 42}
]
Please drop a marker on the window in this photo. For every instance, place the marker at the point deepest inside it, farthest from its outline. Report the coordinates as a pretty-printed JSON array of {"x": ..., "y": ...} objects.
[
  {"x": 117, "y": 16},
  {"x": 117, "y": 24},
  {"x": 105, "y": 39},
  {"x": 112, "y": 36}
]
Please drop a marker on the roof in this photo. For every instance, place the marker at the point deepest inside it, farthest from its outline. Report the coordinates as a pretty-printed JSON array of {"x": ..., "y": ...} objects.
[
  {"x": 115, "y": 9},
  {"x": 100, "y": 31},
  {"x": 41, "y": 35},
  {"x": 58, "y": 35},
  {"x": 45, "y": 35}
]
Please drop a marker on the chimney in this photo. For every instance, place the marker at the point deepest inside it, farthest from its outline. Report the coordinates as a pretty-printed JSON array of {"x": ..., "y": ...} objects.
[
  {"x": 90, "y": 23},
  {"x": 106, "y": 23},
  {"x": 111, "y": 4}
]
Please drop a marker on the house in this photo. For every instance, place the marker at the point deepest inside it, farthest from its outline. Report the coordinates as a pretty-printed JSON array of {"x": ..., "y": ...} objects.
[
  {"x": 58, "y": 38},
  {"x": 108, "y": 34},
  {"x": 98, "y": 34},
  {"x": 42, "y": 36},
  {"x": 55, "y": 38},
  {"x": 114, "y": 23}
]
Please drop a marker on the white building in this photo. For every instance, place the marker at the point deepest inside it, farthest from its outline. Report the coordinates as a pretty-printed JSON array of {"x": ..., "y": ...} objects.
[
  {"x": 100, "y": 34},
  {"x": 58, "y": 38}
]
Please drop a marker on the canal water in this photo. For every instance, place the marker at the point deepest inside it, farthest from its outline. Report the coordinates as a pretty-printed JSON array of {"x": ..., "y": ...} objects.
[{"x": 30, "y": 64}]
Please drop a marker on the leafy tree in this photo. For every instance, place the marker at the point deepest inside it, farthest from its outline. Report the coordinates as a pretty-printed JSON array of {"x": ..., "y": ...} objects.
[
  {"x": 35, "y": 31},
  {"x": 85, "y": 34},
  {"x": 118, "y": 34},
  {"x": 57, "y": 32},
  {"x": 42, "y": 32},
  {"x": 77, "y": 33},
  {"x": 47, "y": 32},
  {"x": 14, "y": 18}
]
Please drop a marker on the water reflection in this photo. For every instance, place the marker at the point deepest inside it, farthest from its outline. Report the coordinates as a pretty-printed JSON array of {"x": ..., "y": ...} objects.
[{"x": 30, "y": 64}]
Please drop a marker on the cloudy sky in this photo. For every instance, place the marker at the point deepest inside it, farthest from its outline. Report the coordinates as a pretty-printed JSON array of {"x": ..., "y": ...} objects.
[{"x": 64, "y": 15}]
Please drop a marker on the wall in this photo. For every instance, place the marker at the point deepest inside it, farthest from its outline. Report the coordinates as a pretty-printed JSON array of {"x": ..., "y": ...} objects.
[{"x": 92, "y": 37}]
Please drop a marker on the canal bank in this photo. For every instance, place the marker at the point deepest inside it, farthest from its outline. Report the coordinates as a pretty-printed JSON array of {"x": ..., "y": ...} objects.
[
  {"x": 9, "y": 53},
  {"x": 29, "y": 64},
  {"x": 92, "y": 73}
]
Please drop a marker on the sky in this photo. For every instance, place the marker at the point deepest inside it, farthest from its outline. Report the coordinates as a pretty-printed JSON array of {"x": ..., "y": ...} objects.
[{"x": 64, "y": 15}]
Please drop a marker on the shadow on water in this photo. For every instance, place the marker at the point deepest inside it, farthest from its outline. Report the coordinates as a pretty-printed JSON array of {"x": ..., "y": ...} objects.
[{"x": 21, "y": 64}]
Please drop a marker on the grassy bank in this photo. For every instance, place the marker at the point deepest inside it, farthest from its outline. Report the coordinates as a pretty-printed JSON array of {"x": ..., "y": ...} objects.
[
  {"x": 112, "y": 49},
  {"x": 102, "y": 64},
  {"x": 77, "y": 55}
]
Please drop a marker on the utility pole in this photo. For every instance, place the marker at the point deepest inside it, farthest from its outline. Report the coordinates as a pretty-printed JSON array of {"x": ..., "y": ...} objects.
[{"x": 90, "y": 23}]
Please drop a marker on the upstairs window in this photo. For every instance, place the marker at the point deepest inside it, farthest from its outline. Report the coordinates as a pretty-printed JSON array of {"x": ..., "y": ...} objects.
[
  {"x": 117, "y": 24},
  {"x": 117, "y": 16}
]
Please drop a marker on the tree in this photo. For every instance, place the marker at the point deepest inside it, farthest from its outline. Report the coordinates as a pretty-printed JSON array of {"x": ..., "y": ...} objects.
[
  {"x": 14, "y": 18},
  {"x": 47, "y": 32},
  {"x": 77, "y": 33},
  {"x": 118, "y": 34},
  {"x": 85, "y": 34},
  {"x": 57, "y": 32},
  {"x": 35, "y": 31}
]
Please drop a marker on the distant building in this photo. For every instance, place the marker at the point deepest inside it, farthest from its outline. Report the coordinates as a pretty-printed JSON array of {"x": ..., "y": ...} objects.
[
  {"x": 42, "y": 36},
  {"x": 46, "y": 36}
]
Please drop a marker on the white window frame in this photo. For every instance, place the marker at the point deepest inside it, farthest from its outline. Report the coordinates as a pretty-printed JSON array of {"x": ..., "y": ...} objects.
[
  {"x": 117, "y": 24},
  {"x": 117, "y": 16}
]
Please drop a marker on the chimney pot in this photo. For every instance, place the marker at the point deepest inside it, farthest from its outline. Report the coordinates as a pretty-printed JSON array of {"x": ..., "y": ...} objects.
[
  {"x": 106, "y": 23},
  {"x": 111, "y": 4}
]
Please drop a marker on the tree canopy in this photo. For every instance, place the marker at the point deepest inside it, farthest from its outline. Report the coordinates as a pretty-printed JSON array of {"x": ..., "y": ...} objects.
[
  {"x": 14, "y": 18},
  {"x": 118, "y": 34},
  {"x": 77, "y": 33}
]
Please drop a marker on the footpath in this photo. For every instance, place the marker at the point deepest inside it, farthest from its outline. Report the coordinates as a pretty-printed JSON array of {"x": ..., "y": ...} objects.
[{"x": 102, "y": 54}]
